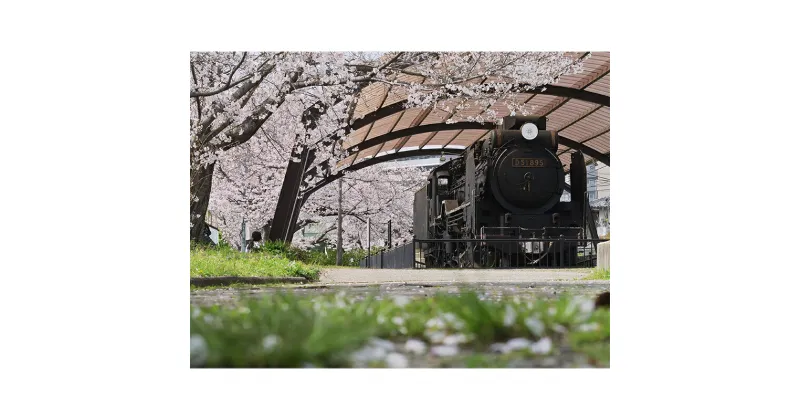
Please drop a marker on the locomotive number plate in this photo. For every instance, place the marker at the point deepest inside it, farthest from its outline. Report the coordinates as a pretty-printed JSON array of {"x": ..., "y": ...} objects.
[{"x": 527, "y": 163}]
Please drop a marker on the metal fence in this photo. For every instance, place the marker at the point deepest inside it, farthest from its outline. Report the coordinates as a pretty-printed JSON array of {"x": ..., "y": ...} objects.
[
  {"x": 488, "y": 253},
  {"x": 397, "y": 257}
]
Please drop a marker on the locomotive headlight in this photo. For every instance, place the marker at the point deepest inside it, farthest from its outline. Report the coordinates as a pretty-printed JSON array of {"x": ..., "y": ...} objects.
[{"x": 530, "y": 131}]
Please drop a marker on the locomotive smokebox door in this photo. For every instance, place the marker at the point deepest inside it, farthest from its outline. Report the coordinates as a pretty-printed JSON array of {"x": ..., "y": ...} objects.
[{"x": 527, "y": 180}]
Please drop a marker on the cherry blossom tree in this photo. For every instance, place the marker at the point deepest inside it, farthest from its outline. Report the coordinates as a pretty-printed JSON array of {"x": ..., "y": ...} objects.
[
  {"x": 255, "y": 115},
  {"x": 375, "y": 195},
  {"x": 248, "y": 178}
]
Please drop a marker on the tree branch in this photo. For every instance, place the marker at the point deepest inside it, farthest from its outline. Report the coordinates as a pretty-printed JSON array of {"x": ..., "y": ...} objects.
[
  {"x": 197, "y": 93},
  {"x": 197, "y": 99}
]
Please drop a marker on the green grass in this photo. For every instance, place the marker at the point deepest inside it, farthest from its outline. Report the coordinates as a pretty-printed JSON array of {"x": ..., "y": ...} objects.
[
  {"x": 224, "y": 261},
  {"x": 598, "y": 274},
  {"x": 327, "y": 330}
]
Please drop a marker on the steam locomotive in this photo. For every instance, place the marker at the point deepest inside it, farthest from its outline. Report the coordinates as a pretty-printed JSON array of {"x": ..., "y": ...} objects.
[{"x": 499, "y": 202}]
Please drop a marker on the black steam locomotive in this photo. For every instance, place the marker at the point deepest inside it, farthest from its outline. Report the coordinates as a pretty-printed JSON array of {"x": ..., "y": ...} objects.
[{"x": 499, "y": 203}]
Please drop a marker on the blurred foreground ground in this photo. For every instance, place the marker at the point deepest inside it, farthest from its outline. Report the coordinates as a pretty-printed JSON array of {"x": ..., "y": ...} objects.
[
  {"x": 405, "y": 318},
  {"x": 411, "y": 283}
]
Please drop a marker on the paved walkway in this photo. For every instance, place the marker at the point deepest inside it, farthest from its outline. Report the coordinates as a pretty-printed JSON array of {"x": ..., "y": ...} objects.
[{"x": 383, "y": 276}]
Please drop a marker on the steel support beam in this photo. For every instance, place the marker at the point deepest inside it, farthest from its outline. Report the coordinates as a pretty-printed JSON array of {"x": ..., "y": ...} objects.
[{"x": 588, "y": 151}]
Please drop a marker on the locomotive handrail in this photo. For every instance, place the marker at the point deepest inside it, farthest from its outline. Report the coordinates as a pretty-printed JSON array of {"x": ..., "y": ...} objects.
[{"x": 463, "y": 206}]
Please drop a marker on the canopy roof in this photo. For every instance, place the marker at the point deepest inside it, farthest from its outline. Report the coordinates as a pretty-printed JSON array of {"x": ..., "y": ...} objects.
[{"x": 577, "y": 107}]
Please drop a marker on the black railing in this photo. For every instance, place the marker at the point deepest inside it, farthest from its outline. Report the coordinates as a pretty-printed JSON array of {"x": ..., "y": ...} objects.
[
  {"x": 397, "y": 257},
  {"x": 488, "y": 253}
]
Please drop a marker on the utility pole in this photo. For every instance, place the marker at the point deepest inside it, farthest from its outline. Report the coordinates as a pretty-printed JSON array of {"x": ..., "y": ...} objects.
[
  {"x": 339, "y": 228},
  {"x": 369, "y": 239},
  {"x": 243, "y": 248},
  {"x": 390, "y": 234}
]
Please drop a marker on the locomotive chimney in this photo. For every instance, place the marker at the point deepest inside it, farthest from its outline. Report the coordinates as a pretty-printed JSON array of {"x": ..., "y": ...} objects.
[
  {"x": 515, "y": 123},
  {"x": 509, "y": 130}
]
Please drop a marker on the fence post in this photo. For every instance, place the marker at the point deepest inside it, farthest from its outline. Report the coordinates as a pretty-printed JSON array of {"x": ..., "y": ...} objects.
[{"x": 414, "y": 252}]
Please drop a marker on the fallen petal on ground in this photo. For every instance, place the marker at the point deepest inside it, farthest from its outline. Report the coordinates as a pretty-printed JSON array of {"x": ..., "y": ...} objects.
[
  {"x": 444, "y": 351},
  {"x": 198, "y": 350},
  {"x": 542, "y": 346},
  {"x": 396, "y": 360},
  {"x": 518, "y": 343},
  {"x": 270, "y": 342},
  {"x": 415, "y": 346}
]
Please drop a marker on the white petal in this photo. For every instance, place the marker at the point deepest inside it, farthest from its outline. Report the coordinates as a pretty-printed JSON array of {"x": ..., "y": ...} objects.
[
  {"x": 444, "y": 351},
  {"x": 396, "y": 360},
  {"x": 401, "y": 300},
  {"x": 499, "y": 348},
  {"x": 415, "y": 346},
  {"x": 510, "y": 316},
  {"x": 543, "y": 346},
  {"x": 383, "y": 344},
  {"x": 198, "y": 350},
  {"x": 518, "y": 343},
  {"x": 435, "y": 336},
  {"x": 270, "y": 342},
  {"x": 535, "y": 325},
  {"x": 367, "y": 354},
  {"x": 452, "y": 340}
]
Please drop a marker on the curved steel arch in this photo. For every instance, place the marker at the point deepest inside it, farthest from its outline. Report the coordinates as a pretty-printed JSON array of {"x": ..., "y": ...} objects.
[
  {"x": 380, "y": 159},
  {"x": 550, "y": 90},
  {"x": 429, "y": 128},
  {"x": 420, "y": 129}
]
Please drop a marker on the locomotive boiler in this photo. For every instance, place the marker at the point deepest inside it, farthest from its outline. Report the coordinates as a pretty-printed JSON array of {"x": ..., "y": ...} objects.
[{"x": 499, "y": 202}]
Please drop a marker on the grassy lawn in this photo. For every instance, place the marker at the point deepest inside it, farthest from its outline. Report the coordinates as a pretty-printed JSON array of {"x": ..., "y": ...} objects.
[
  {"x": 598, "y": 274},
  {"x": 223, "y": 261},
  {"x": 335, "y": 330}
]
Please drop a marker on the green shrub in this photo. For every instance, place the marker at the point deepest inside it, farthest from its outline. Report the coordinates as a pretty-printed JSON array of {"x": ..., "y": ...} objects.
[{"x": 322, "y": 255}]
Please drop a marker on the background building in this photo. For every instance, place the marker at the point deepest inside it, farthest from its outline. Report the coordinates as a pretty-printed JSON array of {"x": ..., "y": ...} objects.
[{"x": 598, "y": 189}]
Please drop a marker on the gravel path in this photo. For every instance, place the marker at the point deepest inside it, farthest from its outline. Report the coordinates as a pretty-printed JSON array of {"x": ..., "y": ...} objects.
[
  {"x": 383, "y": 276},
  {"x": 363, "y": 282}
]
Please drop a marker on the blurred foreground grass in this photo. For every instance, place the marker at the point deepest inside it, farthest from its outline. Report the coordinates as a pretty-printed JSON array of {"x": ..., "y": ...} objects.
[{"x": 287, "y": 330}]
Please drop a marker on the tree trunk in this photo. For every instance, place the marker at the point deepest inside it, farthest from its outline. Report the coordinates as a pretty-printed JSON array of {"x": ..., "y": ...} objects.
[
  {"x": 290, "y": 201},
  {"x": 200, "y": 189}
]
